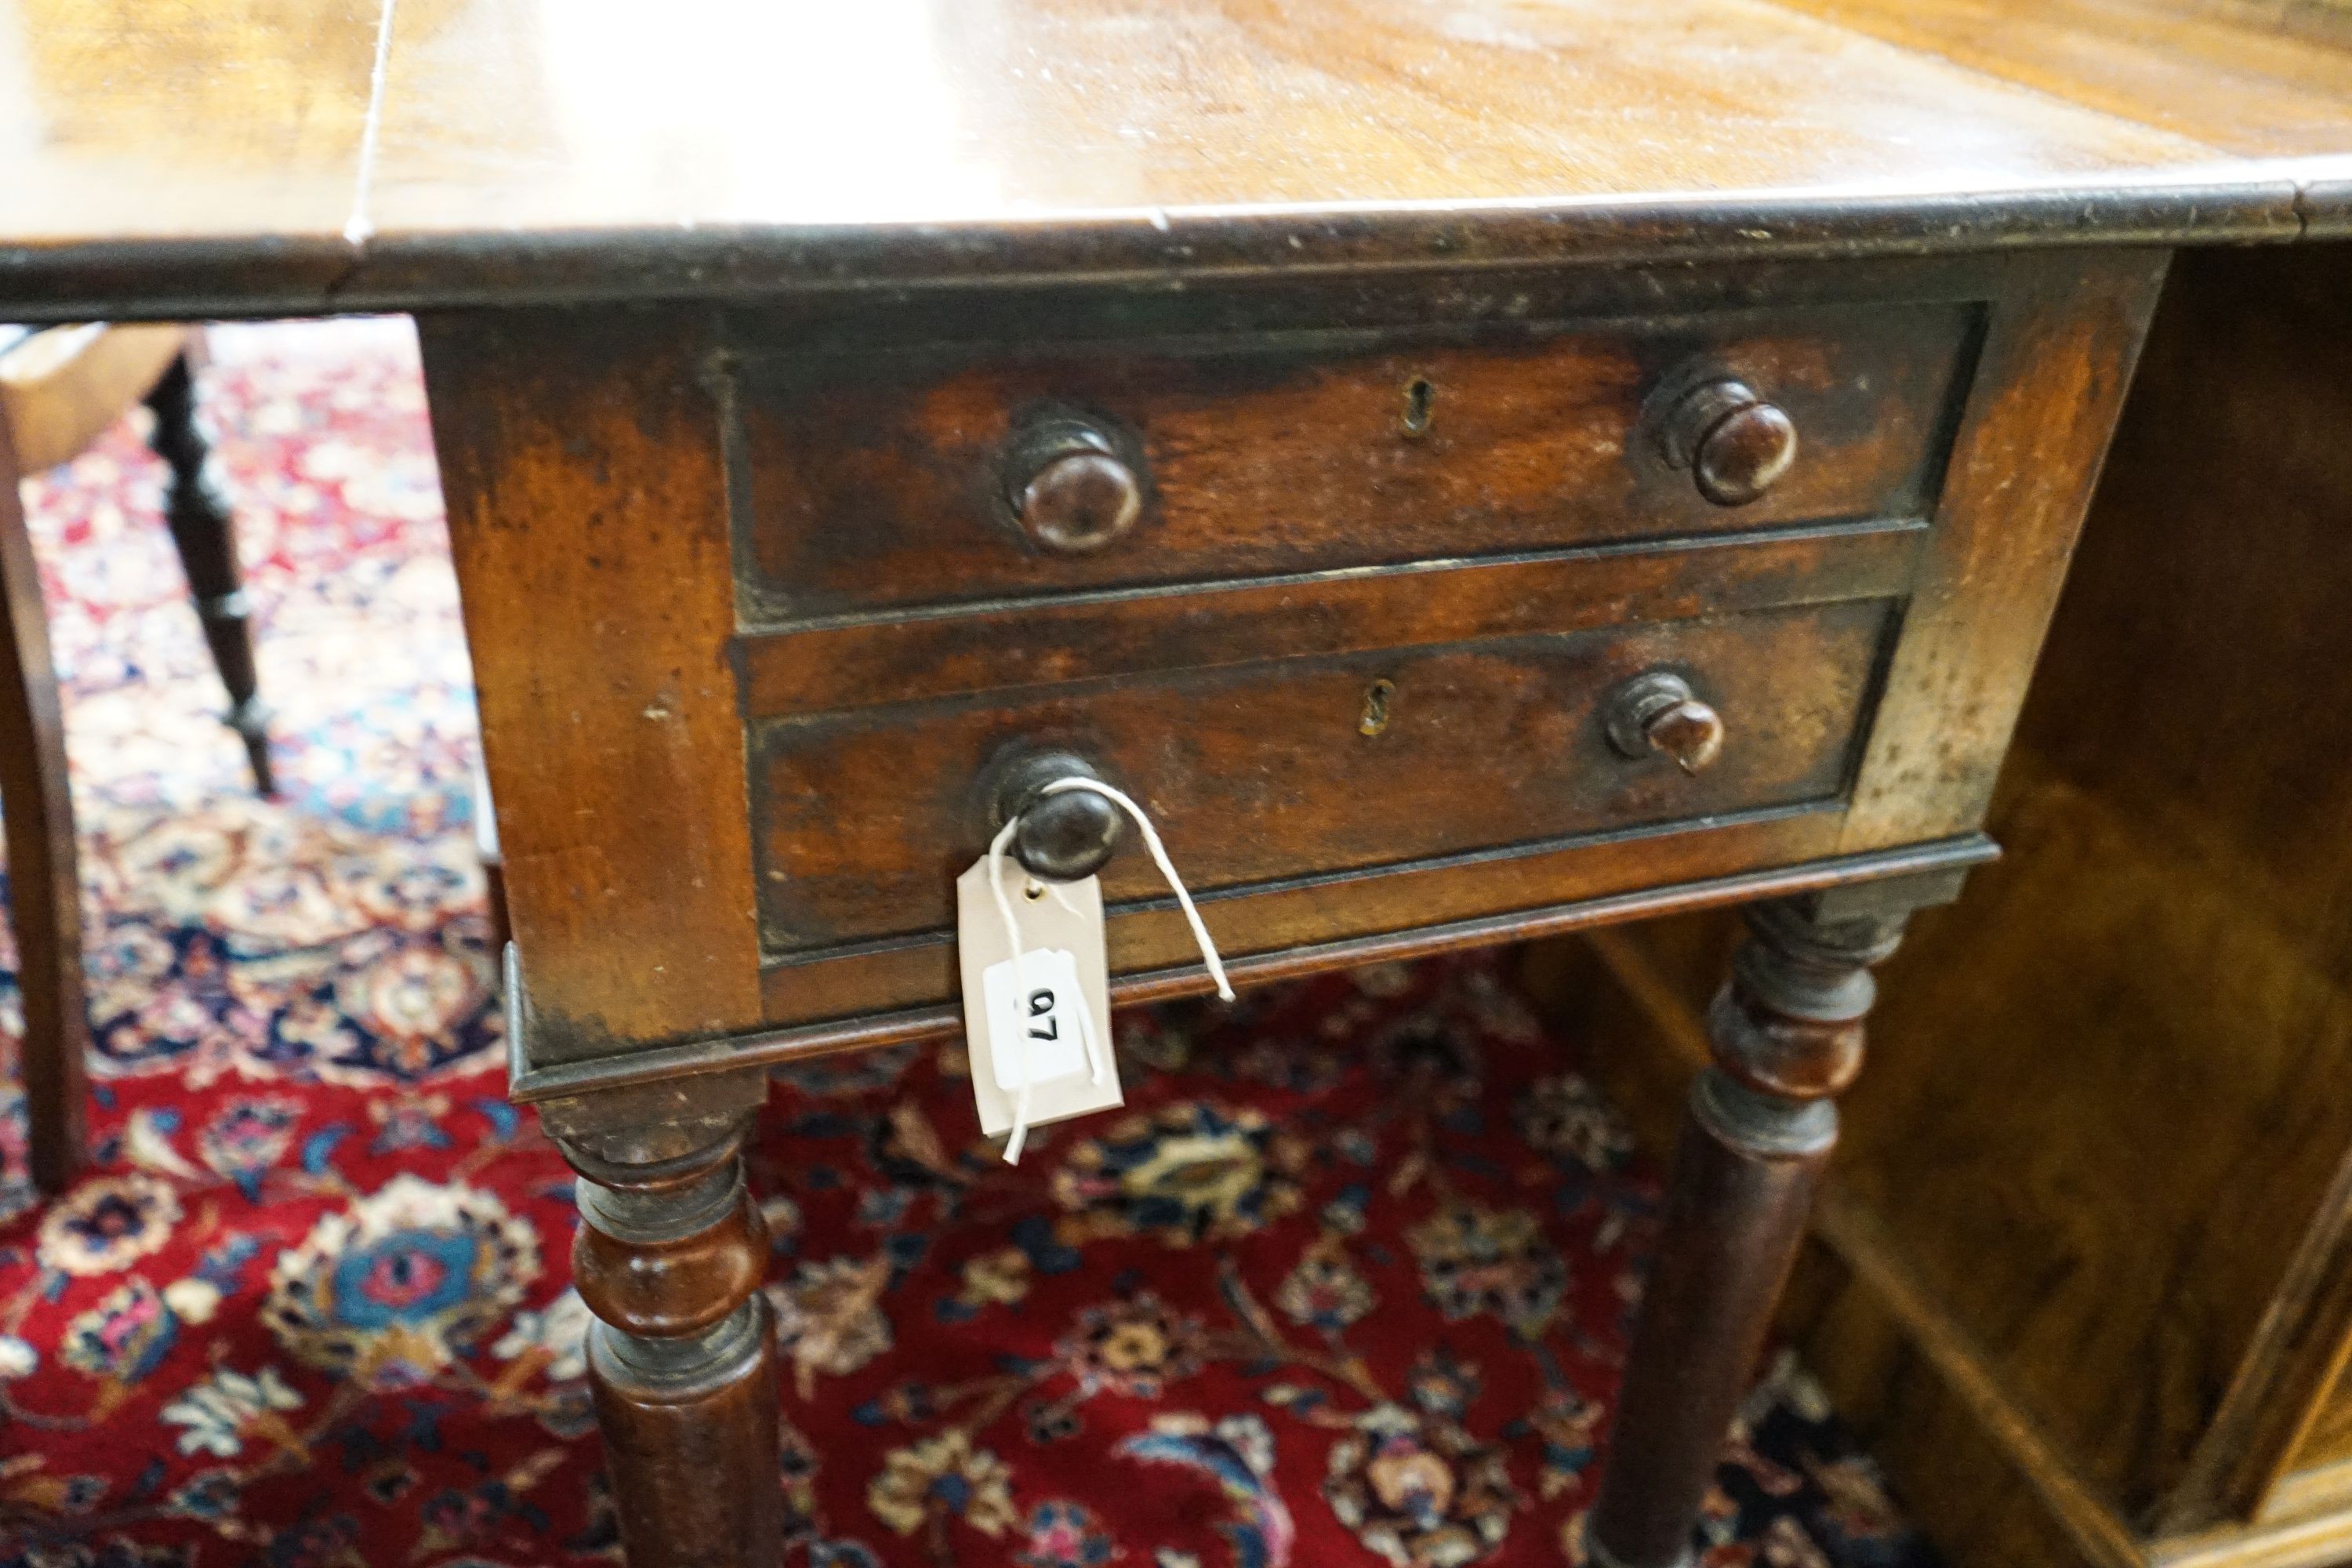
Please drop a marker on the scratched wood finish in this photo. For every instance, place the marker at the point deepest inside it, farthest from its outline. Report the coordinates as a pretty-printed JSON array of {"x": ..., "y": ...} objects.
[
  {"x": 840, "y": 809},
  {"x": 2107, "y": 1169},
  {"x": 639, "y": 918},
  {"x": 2050, "y": 341},
  {"x": 258, "y": 156},
  {"x": 2258, "y": 78},
  {"x": 160, "y": 123},
  {"x": 939, "y": 113},
  {"x": 1261, "y": 772},
  {"x": 1098, "y": 636},
  {"x": 1317, "y": 923},
  {"x": 871, "y": 481},
  {"x": 2052, "y": 375},
  {"x": 588, "y": 520}
]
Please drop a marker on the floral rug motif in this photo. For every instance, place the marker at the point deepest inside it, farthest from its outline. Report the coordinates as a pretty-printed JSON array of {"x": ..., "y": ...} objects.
[{"x": 1347, "y": 1279}]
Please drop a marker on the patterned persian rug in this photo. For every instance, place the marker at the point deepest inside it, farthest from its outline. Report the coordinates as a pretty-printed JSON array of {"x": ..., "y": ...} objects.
[{"x": 1347, "y": 1281}]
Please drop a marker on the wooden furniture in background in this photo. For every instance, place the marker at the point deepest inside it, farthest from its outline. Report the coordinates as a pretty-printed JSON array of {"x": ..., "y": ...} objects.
[
  {"x": 44, "y": 888},
  {"x": 2085, "y": 1269},
  {"x": 1366, "y": 425},
  {"x": 2082, "y": 1274},
  {"x": 60, "y": 390}
]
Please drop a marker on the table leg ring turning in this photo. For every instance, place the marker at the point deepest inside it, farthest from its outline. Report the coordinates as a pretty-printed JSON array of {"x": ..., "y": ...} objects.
[
  {"x": 1787, "y": 1036},
  {"x": 681, "y": 1359}
]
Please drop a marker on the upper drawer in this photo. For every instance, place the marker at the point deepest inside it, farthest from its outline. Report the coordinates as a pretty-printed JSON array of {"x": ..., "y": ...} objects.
[{"x": 886, "y": 479}]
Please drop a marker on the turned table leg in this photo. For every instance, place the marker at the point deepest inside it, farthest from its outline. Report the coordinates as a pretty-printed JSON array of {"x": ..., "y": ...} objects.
[
  {"x": 682, "y": 1356},
  {"x": 205, "y": 534},
  {"x": 1787, "y": 1037}
]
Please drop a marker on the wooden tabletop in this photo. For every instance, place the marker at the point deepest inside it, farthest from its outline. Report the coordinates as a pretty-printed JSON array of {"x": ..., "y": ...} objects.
[{"x": 272, "y": 155}]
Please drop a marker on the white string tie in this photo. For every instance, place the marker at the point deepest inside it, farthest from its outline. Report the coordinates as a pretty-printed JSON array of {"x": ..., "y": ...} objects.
[{"x": 1097, "y": 1061}]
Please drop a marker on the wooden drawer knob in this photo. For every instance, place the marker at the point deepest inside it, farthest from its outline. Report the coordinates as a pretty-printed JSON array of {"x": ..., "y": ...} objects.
[
  {"x": 1061, "y": 836},
  {"x": 1658, "y": 712},
  {"x": 1070, "y": 490},
  {"x": 1736, "y": 444}
]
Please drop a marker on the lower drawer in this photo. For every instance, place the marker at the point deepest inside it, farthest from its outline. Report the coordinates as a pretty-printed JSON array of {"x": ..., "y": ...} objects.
[{"x": 1264, "y": 770}]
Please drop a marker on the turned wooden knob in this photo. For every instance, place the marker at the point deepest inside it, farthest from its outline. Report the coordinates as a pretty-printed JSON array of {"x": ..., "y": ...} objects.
[
  {"x": 1069, "y": 487},
  {"x": 1658, "y": 712},
  {"x": 1736, "y": 444},
  {"x": 1065, "y": 835}
]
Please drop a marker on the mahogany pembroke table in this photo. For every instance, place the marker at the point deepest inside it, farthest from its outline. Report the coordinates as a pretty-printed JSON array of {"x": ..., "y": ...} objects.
[{"x": 1471, "y": 470}]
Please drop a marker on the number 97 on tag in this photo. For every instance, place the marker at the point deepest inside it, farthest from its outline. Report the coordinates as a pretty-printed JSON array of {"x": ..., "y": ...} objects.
[{"x": 1036, "y": 1028}]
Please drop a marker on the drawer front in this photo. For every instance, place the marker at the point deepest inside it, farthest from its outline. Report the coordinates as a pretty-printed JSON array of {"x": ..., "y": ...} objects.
[
  {"x": 738, "y": 673},
  {"x": 886, "y": 480},
  {"x": 1265, "y": 770}
]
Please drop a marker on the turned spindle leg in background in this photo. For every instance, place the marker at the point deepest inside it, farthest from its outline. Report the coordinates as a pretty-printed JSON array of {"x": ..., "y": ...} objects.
[
  {"x": 1787, "y": 1037},
  {"x": 681, "y": 1358},
  {"x": 206, "y": 536}
]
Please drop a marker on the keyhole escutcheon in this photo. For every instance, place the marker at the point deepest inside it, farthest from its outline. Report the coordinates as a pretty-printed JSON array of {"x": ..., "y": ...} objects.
[{"x": 1420, "y": 404}]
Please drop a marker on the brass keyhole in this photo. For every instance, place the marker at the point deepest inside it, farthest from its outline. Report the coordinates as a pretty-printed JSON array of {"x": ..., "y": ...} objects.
[
  {"x": 1376, "y": 708},
  {"x": 1419, "y": 401}
]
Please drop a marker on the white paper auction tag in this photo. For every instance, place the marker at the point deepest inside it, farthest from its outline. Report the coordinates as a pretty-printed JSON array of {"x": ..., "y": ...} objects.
[{"x": 1041, "y": 1021}]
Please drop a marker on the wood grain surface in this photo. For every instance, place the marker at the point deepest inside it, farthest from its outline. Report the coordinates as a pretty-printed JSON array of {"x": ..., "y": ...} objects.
[
  {"x": 2196, "y": 894},
  {"x": 669, "y": 758},
  {"x": 2261, "y": 77},
  {"x": 1260, "y": 772},
  {"x": 43, "y": 884},
  {"x": 2051, "y": 375},
  {"x": 1205, "y": 626},
  {"x": 219, "y": 119},
  {"x": 266, "y": 155},
  {"x": 871, "y": 479},
  {"x": 934, "y": 112},
  {"x": 590, "y": 530}
]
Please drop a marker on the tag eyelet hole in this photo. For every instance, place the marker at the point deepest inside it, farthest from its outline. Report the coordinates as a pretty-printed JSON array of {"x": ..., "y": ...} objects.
[{"x": 1033, "y": 892}]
